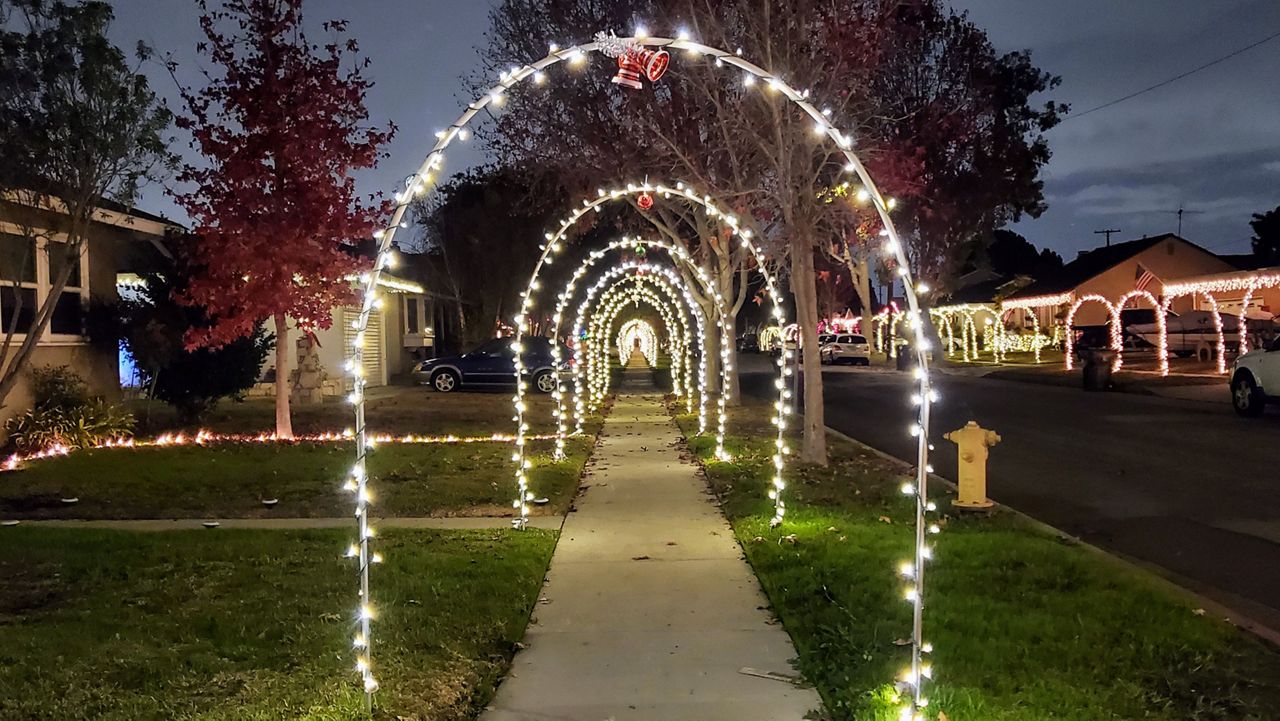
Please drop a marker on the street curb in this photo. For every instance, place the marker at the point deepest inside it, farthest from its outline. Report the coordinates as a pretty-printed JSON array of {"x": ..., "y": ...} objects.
[{"x": 1174, "y": 582}]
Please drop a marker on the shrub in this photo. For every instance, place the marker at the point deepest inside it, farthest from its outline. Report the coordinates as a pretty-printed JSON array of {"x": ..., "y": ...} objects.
[
  {"x": 57, "y": 387},
  {"x": 65, "y": 414}
]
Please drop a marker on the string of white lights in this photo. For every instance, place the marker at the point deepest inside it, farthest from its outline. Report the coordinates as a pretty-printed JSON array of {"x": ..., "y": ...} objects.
[
  {"x": 824, "y": 126},
  {"x": 638, "y": 335},
  {"x": 562, "y": 302},
  {"x": 667, "y": 301}
]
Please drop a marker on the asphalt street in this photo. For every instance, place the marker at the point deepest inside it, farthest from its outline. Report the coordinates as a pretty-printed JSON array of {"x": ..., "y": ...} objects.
[{"x": 1183, "y": 485}]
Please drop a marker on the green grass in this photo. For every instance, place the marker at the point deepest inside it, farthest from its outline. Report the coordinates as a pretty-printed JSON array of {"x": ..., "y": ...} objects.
[
  {"x": 397, "y": 410},
  {"x": 1026, "y": 626},
  {"x": 222, "y": 625},
  {"x": 230, "y": 480}
]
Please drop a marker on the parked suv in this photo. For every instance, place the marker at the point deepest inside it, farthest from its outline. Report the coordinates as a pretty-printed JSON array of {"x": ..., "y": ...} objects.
[
  {"x": 1256, "y": 380},
  {"x": 491, "y": 364},
  {"x": 846, "y": 348}
]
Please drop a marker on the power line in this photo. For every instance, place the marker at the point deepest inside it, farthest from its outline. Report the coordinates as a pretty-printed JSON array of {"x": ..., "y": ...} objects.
[{"x": 1175, "y": 78}]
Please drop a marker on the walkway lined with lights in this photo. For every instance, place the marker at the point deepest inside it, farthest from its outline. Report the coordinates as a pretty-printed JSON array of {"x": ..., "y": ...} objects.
[{"x": 650, "y": 611}]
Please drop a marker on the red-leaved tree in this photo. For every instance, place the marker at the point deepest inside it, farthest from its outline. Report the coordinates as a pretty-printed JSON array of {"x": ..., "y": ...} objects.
[{"x": 282, "y": 125}]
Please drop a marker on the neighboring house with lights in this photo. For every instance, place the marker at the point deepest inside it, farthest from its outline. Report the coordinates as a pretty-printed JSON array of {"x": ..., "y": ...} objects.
[
  {"x": 122, "y": 243},
  {"x": 400, "y": 333},
  {"x": 1111, "y": 272}
]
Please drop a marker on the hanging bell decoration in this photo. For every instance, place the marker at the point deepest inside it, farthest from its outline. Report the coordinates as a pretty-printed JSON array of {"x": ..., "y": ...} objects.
[
  {"x": 645, "y": 201},
  {"x": 636, "y": 63}
]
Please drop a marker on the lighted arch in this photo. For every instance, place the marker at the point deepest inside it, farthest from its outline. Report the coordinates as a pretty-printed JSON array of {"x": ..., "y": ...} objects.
[
  {"x": 677, "y": 254},
  {"x": 637, "y": 284},
  {"x": 555, "y": 243},
  {"x": 637, "y": 334},
  {"x": 593, "y": 387},
  {"x": 1218, "y": 328},
  {"x": 1112, "y": 312},
  {"x": 1117, "y": 330},
  {"x": 418, "y": 183},
  {"x": 674, "y": 317},
  {"x": 681, "y": 304},
  {"x": 619, "y": 294}
]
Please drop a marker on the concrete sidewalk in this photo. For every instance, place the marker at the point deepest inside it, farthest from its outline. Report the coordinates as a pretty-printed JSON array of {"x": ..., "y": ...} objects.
[{"x": 650, "y": 611}]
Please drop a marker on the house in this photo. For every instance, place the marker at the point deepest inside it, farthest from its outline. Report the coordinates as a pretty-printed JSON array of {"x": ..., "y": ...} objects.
[
  {"x": 122, "y": 242},
  {"x": 406, "y": 329},
  {"x": 1114, "y": 273}
]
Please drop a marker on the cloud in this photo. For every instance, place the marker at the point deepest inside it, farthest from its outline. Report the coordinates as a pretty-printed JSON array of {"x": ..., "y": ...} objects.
[{"x": 1273, "y": 166}]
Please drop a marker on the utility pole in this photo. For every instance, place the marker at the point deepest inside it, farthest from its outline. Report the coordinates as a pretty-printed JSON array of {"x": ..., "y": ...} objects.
[{"x": 1107, "y": 233}]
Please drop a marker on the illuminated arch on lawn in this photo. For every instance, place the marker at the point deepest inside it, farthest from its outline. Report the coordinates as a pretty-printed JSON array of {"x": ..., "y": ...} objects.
[
  {"x": 594, "y": 387},
  {"x": 1221, "y": 345},
  {"x": 678, "y": 255},
  {"x": 1112, "y": 312},
  {"x": 633, "y": 333},
  {"x": 673, "y": 312},
  {"x": 683, "y": 303},
  {"x": 620, "y": 293},
  {"x": 419, "y": 183},
  {"x": 1117, "y": 330}
]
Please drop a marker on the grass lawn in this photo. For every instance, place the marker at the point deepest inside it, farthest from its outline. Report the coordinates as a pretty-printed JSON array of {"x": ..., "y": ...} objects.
[
  {"x": 398, "y": 410},
  {"x": 230, "y": 480},
  {"x": 1025, "y": 625},
  {"x": 221, "y": 625}
]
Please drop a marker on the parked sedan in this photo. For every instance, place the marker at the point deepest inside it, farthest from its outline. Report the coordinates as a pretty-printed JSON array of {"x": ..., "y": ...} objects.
[
  {"x": 846, "y": 348},
  {"x": 490, "y": 365}
]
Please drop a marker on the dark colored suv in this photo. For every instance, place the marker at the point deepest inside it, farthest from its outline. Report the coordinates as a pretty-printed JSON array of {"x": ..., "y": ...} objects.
[{"x": 491, "y": 364}]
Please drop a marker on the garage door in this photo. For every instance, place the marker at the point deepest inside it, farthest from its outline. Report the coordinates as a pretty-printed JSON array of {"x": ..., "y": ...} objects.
[{"x": 373, "y": 358}]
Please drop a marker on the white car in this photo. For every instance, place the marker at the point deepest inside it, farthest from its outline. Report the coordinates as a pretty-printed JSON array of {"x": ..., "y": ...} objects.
[
  {"x": 846, "y": 348},
  {"x": 1255, "y": 381}
]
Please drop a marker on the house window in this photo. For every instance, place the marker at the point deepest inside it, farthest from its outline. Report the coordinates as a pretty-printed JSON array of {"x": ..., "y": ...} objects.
[
  {"x": 418, "y": 314},
  {"x": 27, "y": 268},
  {"x": 411, "y": 322}
]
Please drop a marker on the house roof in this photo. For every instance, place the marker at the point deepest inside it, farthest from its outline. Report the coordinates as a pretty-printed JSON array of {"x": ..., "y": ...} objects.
[{"x": 1092, "y": 263}]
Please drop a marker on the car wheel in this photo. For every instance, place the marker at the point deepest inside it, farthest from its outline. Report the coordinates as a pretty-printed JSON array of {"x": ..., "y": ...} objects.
[
  {"x": 444, "y": 381},
  {"x": 544, "y": 382},
  {"x": 1245, "y": 396},
  {"x": 864, "y": 362}
]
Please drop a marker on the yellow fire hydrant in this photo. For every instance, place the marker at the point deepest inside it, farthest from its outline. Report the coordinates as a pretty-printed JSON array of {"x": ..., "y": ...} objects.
[{"x": 973, "y": 442}]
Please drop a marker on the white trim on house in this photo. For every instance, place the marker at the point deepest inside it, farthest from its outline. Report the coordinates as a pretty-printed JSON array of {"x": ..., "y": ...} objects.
[{"x": 42, "y": 238}]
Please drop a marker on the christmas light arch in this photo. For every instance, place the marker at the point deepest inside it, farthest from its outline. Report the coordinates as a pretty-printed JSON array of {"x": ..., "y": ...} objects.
[
  {"x": 619, "y": 294},
  {"x": 677, "y": 254},
  {"x": 1117, "y": 330},
  {"x": 675, "y": 319},
  {"x": 637, "y": 335},
  {"x": 1112, "y": 313},
  {"x": 418, "y": 184},
  {"x": 682, "y": 304}
]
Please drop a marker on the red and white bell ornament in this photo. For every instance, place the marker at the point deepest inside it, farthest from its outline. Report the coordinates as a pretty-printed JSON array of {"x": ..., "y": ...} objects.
[{"x": 634, "y": 64}]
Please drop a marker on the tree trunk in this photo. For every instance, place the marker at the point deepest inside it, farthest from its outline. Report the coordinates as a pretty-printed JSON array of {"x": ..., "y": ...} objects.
[
  {"x": 813, "y": 449},
  {"x": 863, "y": 285},
  {"x": 284, "y": 422}
]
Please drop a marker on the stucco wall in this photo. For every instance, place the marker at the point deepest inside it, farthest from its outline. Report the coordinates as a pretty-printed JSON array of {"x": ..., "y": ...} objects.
[{"x": 1169, "y": 260}]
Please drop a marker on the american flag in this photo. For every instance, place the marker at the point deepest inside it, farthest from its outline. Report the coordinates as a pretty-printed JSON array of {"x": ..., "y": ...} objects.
[{"x": 1143, "y": 278}]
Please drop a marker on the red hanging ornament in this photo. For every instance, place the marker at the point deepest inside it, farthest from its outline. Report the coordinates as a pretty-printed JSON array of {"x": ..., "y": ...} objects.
[
  {"x": 634, "y": 60},
  {"x": 645, "y": 201}
]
